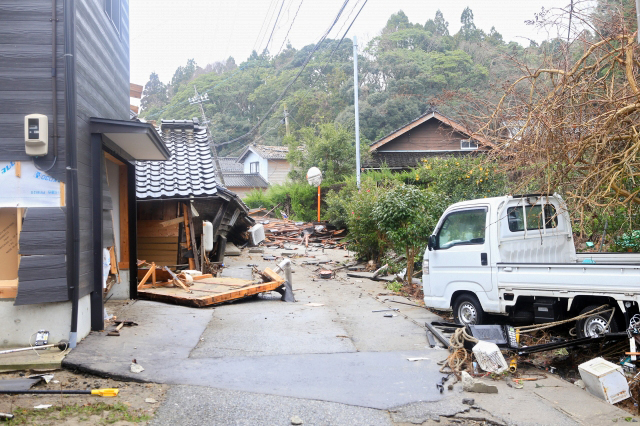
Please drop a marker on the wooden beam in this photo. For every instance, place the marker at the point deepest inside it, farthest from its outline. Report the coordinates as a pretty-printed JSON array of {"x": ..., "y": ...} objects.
[
  {"x": 63, "y": 200},
  {"x": 113, "y": 159},
  {"x": 124, "y": 217},
  {"x": 147, "y": 275},
  {"x": 134, "y": 108},
  {"x": 185, "y": 213},
  {"x": 112, "y": 257},
  {"x": 171, "y": 222},
  {"x": 8, "y": 289},
  {"x": 194, "y": 244},
  {"x": 18, "y": 168}
]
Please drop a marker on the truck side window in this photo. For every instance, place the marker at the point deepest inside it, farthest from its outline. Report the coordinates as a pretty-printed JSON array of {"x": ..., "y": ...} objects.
[
  {"x": 534, "y": 217},
  {"x": 465, "y": 227}
]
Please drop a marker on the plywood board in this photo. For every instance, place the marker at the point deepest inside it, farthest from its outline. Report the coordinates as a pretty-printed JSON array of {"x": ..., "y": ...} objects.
[
  {"x": 204, "y": 293},
  {"x": 153, "y": 228},
  {"x": 8, "y": 244}
]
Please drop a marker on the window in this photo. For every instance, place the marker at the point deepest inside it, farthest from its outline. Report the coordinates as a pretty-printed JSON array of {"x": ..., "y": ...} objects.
[
  {"x": 112, "y": 8},
  {"x": 255, "y": 167},
  {"x": 465, "y": 227},
  {"x": 468, "y": 144},
  {"x": 534, "y": 217}
]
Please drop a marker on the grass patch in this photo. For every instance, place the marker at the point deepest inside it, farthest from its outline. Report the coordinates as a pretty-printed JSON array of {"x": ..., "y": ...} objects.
[
  {"x": 394, "y": 286},
  {"x": 108, "y": 413}
]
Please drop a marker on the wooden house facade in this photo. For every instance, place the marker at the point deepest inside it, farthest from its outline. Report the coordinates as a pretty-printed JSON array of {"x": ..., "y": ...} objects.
[{"x": 431, "y": 134}]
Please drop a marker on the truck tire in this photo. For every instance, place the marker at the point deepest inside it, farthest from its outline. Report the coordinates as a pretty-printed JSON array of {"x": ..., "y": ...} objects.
[
  {"x": 595, "y": 325},
  {"x": 467, "y": 310}
]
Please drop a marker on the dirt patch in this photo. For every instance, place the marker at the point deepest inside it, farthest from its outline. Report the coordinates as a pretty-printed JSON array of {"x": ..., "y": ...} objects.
[{"x": 128, "y": 408}]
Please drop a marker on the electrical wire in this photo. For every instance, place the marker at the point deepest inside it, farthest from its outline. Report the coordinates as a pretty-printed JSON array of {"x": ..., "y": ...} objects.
[
  {"x": 290, "y": 26},
  {"x": 275, "y": 24},
  {"x": 284, "y": 92}
]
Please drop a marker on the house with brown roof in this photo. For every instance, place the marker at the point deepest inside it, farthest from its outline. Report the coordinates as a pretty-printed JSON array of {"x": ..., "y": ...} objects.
[
  {"x": 270, "y": 162},
  {"x": 431, "y": 134}
]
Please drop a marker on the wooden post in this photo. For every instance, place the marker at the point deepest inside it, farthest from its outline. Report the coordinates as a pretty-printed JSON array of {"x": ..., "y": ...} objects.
[
  {"x": 18, "y": 169},
  {"x": 187, "y": 231},
  {"x": 318, "y": 203}
]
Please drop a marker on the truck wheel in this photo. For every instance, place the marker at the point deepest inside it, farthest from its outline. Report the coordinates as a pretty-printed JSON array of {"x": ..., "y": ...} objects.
[
  {"x": 467, "y": 310},
  {"x": 595, "y": 325}
]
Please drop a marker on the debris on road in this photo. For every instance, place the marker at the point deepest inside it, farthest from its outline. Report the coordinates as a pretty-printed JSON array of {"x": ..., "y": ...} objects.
[
  {"x": 207, "y": 290},
  {"x": 278, "y": 232},
  {"x": 605, "y": 380},
  {"x": 135, "y": 367},
  {"x": 469, "y": 384}
]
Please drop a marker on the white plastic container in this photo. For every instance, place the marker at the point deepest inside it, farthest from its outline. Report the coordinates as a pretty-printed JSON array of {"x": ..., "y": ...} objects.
[
  {"x": 605, "y": 380},
  {"x": 489, "y": 357},
  {"x": 257, "y": 234},
  {"x": 207, "y": 235}
]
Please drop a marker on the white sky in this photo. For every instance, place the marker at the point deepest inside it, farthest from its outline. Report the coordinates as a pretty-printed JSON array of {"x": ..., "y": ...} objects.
[{"x": 166, "y": 33}]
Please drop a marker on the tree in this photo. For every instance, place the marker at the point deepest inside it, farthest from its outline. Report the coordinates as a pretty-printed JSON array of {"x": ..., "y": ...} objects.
[
  {"x": 407, "y": 216},
  {"x": 440, "y": 26},
  {"x": 468, "y": 29},
  {"x": 154, "y": 94},
  {"x": 182, "y": 75},
  {"x": 328, "y": 147}
]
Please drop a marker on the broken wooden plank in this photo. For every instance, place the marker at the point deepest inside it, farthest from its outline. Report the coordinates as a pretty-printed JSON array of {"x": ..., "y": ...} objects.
[
  {"x": 177, "y": 280},
  {"x": 202, "y": 277},
  {"x": 171, "y": 222},
  {"x": 271, "y": 275}
]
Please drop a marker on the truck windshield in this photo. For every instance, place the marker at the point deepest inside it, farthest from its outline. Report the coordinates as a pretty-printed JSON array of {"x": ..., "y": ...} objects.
[{"x": 465, "y": 227}]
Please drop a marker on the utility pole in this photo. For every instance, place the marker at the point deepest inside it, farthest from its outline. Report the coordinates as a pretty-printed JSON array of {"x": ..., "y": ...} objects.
[
  {"x": 355, "y": 96},
  {"x": 286, "y": 117},
  {"x": 199, "y": 99}
]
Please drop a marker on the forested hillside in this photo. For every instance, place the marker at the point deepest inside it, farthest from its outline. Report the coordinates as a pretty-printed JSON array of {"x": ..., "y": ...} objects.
[{"x": 407, "y": 69}]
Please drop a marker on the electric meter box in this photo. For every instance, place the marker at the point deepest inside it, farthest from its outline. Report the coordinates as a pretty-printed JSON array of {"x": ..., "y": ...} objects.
[{"x": 36, "y": 135}]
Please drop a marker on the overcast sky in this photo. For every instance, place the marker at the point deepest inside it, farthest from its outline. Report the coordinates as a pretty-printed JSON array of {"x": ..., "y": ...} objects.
[{"x": 166, "y": 33}]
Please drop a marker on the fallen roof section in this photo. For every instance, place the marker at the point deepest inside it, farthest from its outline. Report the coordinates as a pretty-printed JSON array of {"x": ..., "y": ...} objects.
[{"x": 209, "y": 291}]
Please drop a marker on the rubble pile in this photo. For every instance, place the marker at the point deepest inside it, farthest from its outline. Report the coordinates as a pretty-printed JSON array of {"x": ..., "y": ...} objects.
[{"x": 278, "y": 232}]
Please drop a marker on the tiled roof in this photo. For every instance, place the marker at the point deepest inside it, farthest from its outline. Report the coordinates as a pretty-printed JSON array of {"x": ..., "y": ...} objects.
[
  {"x": 242, "y": 180},
  {"x": 190, "y": 171},
  {"x": 267, "y": 152},
  {"x": 406, "y": 160},
  {"x": 230, "y": 165}
]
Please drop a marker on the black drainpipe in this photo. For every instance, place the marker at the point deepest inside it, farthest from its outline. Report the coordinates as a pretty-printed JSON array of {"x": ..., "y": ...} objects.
[{"x": 73, "y": 227}]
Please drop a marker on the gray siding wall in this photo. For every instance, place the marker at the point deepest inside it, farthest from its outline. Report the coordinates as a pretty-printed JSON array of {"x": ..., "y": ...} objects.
[
  {"x": 25, "y": 77},
  {"x": 42, "y": 273},
  {"x": 102, "y": 73}
]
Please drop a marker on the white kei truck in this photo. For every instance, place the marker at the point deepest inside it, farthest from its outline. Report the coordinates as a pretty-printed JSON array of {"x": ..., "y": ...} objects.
[{"x": 515, "y": 256}]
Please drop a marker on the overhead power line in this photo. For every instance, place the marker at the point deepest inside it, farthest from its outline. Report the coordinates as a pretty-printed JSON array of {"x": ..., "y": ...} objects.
[
  {"x": 275, "y": 24},
  {"x": 284, "y": 92},
  {"x": 290, "y": 26}
]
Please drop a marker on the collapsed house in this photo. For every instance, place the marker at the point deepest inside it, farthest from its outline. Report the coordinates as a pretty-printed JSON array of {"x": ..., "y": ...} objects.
[{"x": 175, "y": 199}]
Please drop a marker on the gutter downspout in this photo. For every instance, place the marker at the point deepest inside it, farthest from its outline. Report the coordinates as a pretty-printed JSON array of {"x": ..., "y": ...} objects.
[{"x": 73, "y": 227}]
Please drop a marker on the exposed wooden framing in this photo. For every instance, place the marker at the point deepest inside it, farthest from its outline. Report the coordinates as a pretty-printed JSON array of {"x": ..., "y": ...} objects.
[
  {"x": 194, "y": 244},
  {"x": 62, "y": 195},
  {"x": 124, "y": 218},
  {"x": 151, "y": 271},
  {"x": 18, "y": 169},
  {"x": 113, "y": 159},
  {"x": 8, "y": 289},
  {"x": 185, "y": 212}
]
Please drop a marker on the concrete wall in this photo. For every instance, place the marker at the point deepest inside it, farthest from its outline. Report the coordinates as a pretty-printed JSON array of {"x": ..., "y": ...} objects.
[
  {"x": 120, "y": 291},
  {"x": 252, "y": 157},
  {"x": 19, "y": 322}
]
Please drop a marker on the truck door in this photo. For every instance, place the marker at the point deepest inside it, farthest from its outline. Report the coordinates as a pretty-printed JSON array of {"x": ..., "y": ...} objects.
[{"x": 461, "y": 254}]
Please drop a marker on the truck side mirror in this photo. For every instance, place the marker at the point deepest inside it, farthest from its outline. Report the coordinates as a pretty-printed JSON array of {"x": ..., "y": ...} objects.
[{"x": 432, "y": 242}]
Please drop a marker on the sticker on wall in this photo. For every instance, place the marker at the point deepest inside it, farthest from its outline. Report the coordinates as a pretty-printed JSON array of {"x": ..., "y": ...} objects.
[{"x": 23, "y": 185}]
